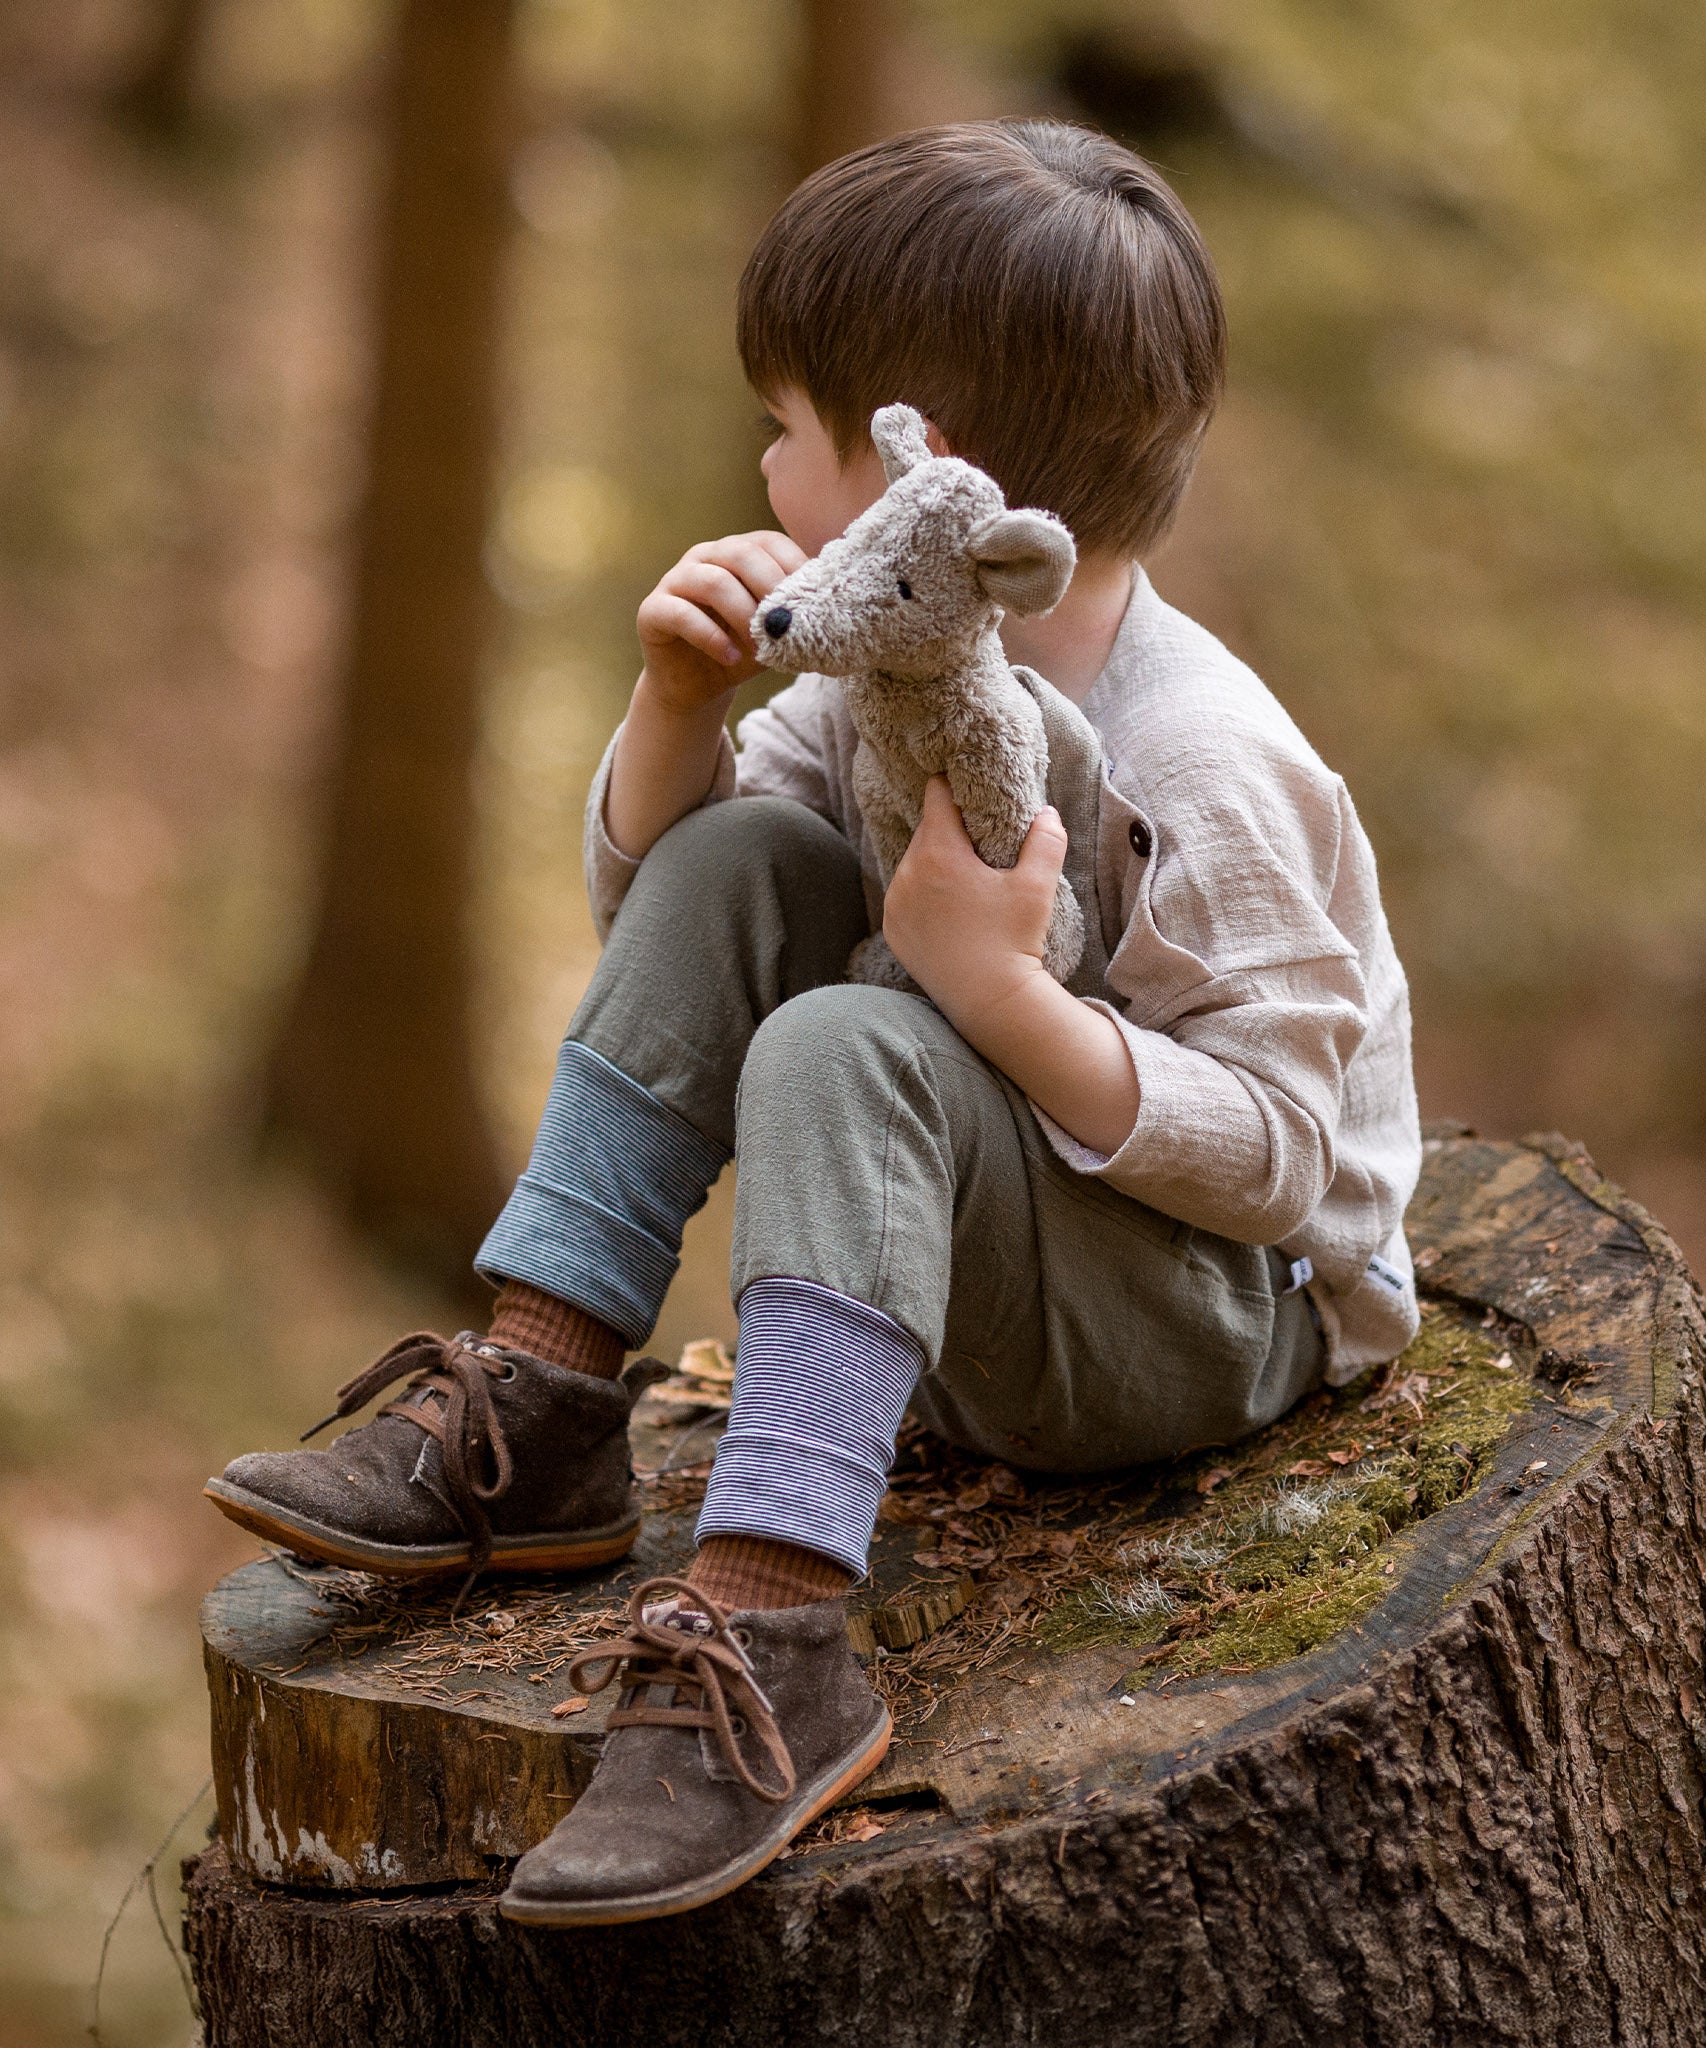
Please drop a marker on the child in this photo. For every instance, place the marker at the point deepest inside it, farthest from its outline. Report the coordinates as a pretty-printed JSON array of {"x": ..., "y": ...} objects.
[{"x": 1071, "y": 1232}]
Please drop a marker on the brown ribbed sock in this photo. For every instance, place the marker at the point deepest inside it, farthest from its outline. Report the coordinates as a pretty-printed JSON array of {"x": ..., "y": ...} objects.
[
  {"x": 757, "y": 1571},
  {"x": 528, "y": 1319}
]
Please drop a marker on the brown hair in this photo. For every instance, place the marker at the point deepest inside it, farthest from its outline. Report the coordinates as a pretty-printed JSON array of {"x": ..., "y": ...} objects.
[{"x": 1033, "y": 288}]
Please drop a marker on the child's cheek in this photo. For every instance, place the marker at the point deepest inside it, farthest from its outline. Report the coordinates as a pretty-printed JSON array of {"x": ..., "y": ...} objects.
[{"x": 791, "y": 514}]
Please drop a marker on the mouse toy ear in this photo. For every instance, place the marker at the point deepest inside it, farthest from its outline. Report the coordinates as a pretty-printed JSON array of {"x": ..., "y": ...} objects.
[
  {"x": 898, "y": 432},
  {"x": 1024, "y": 560}
]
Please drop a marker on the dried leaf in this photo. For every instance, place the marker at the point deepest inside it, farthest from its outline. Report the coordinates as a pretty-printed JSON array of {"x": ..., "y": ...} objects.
[
  {"x": 1413, "y": 1388},
  {"x": 1210, "y": 1480},
  {"x": 706, "y": 1359},
  {"x": 498, "y": 1623},
  {"x": 1004, "y": 1483},
  {"x": 971, "y": 1498},
  {"x": 1346, "y": 1457},
  {"x": 575, "y": 1706},
  {"x": 1578, "y": 1406},
  {"x": 868, "y": 1833},
  {"x": 1008, "y": 1595},
  {"x": 1309, "y": 1468}
]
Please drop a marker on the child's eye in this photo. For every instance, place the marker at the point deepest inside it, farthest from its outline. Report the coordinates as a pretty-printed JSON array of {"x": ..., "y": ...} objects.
[
  {"x": 770, "y": 426},
  {"x": 904, "y": 587}
]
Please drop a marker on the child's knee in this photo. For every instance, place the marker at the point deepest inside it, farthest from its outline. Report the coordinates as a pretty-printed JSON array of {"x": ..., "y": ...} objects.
[
  {"x": 830, "y": 1053},
  {"x": 722, "y": 846}
]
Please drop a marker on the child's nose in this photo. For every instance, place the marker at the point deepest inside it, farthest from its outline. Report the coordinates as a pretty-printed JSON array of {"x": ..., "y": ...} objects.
[{"x": 777, "y": 620}]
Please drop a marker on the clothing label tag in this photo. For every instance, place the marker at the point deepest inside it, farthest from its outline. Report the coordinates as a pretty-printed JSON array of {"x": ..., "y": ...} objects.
[
  {"x": 1389, "y": 1277},
  {"x": 1302, "y": 1272}
]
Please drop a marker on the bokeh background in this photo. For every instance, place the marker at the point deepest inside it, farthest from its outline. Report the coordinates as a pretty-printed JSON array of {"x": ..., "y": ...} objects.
[{"x": 290, "y": 910}]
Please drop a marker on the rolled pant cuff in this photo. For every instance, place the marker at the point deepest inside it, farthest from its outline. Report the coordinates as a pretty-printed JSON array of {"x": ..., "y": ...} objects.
[
  {"x": 597, "y": 1217},
  {"x": 821, "y": 1384}
]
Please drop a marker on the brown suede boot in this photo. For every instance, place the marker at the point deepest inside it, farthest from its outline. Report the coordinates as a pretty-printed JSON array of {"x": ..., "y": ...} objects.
[
  {"x": 488, "y": 1458},
  {"x": 732, "y": 1732}
]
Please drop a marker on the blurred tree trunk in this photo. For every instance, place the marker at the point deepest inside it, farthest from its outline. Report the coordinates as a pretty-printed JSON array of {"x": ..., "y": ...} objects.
[
  {"x": 376, "y": 1070},
  {"x": 160, "y": 92},
  {"x": 844, "y": 94}
]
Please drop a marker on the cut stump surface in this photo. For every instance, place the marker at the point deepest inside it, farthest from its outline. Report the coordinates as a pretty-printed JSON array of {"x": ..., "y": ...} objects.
[{"x": 1467, "y": 1809}]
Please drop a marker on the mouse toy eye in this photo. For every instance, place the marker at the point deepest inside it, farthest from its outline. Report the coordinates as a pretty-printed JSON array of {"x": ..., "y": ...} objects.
[{"x": 904, "y": 587}]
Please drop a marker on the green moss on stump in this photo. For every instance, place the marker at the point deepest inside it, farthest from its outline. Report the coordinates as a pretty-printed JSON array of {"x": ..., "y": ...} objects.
[{"x": 1297, "y": 1535}]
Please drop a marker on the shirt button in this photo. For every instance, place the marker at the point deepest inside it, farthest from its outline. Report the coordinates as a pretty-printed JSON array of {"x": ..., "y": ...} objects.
[{"x": 1141, "y": 842}]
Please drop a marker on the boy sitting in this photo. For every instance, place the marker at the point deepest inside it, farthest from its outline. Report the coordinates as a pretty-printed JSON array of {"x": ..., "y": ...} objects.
[{"x": 1072, "y": 1232}]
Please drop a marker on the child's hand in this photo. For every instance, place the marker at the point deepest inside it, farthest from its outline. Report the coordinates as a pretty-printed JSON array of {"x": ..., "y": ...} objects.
[
  {"x": 693, "y": 625},
  {"x": 971, "y": 936}
]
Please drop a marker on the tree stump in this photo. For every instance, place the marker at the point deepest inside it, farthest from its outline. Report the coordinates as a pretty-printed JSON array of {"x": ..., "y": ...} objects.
[{"x": 1383, "y": 1729}]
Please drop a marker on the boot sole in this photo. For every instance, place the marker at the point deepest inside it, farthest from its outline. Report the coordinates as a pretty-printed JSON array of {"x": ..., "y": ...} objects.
[
  {"x": 683, "y": 1898},
  {"x": 558, "y": 1551}
]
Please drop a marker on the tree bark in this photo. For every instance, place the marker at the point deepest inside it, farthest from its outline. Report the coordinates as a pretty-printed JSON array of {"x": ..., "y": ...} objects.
[
  {"x": 160, "y": 93},
  {"x": 1474, "y": 1818},
  {"x": 844, "y": 91},
  {"x": 376, "y": 1071}
]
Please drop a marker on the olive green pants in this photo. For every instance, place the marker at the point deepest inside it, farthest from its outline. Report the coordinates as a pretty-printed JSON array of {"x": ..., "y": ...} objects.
[{"x": 1065, "y": 1327}]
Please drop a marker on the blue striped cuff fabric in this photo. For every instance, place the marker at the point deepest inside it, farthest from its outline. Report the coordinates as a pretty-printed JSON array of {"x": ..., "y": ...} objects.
[
  {"x": 821, "y": 1384},
  {"x": 597, "y": 1217}
]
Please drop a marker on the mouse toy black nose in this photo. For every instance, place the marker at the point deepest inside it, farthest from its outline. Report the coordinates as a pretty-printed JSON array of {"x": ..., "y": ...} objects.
[{"x": 777, "y": 621}]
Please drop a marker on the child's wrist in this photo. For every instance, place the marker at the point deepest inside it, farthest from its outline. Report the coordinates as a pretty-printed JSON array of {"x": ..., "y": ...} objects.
[
  {"x": 1069, "y": 1058},
  {"x": 691, "y": 709},
  {"x": 664, "y": 766},
  {"x": 1004, "y": 1008}
]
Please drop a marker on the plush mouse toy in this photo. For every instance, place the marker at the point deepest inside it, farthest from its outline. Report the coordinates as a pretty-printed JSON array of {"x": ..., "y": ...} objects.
[{"x": 904, "y": 609}]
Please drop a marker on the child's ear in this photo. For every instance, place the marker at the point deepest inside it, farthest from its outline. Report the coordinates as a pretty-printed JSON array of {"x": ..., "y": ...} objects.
[
  {"x": 1024, "y": 560},
  {"x": 898, "y": 432}
]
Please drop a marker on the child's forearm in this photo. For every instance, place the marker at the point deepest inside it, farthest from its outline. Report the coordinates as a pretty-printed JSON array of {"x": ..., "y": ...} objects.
[
  {"x": 1071, "y": 1060},
  {"x": 666, "y": 758}
]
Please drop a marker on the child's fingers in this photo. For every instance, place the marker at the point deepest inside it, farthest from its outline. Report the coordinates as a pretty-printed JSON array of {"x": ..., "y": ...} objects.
[
  {"x": 1044, "y": 850},
  {"x": 786, "y": 554},
  {"x": 754, "y": 558},
  {"x": 721, "y": 593},
  {"x": 668, "y": 617},
  {"x": 941, "y": 813},
  {"x": 941, "y": 841}
]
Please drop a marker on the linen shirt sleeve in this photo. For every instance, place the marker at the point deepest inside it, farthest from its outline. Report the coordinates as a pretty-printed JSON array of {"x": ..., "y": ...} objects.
[
  {"x": 782, "y": 753},
  {"x": 1241, "y": 1003}
]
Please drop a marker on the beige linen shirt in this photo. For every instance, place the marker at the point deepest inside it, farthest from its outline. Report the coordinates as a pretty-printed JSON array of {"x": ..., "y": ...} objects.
[{"x": 1251, "y": 974}]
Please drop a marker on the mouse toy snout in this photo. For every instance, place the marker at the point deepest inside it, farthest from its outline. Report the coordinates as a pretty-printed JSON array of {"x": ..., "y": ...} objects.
[{"x": 777, "y": 621}]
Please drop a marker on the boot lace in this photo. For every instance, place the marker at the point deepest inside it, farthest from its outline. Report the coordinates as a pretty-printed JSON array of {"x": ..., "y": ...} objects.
[
  {"x": 705, "y": 1669},
  {"x": 449, "y": 1395}
]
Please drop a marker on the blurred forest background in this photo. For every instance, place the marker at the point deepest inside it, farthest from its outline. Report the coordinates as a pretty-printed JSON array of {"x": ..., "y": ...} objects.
[{"x": 1453, "y": 512}]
